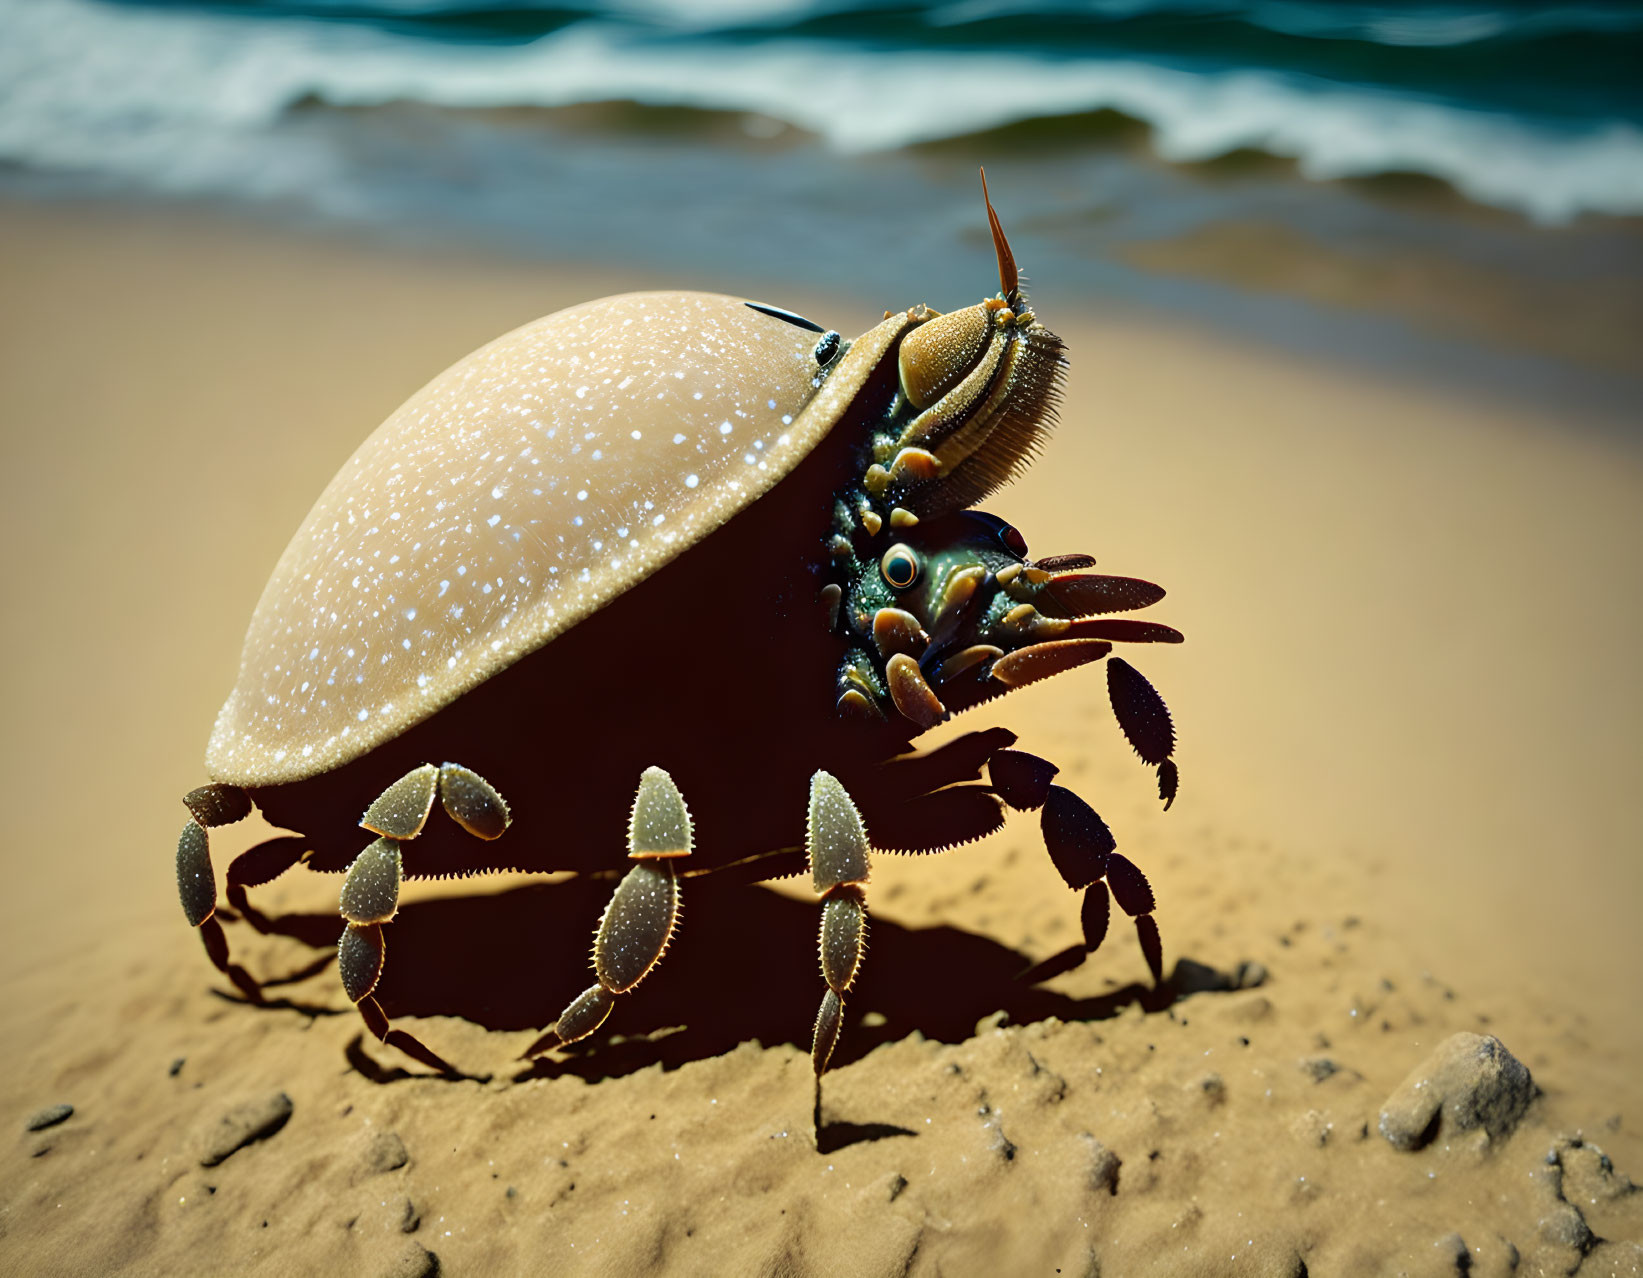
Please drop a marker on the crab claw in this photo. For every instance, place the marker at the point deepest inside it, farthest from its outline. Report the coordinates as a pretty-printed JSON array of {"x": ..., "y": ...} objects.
[
  {"x": 1041, "y": 660},
  {"x": 1086, "y": 594},
  {"x": 1064, "y": 563},
  {"x": 1122, "y": 630}
]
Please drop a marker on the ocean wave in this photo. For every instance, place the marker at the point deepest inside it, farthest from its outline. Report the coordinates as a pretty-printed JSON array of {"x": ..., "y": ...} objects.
[
  {"x": 189, "y": 101},
  {"x": 1445, "y": 23},
  {"x": 1434, "y": 26}
]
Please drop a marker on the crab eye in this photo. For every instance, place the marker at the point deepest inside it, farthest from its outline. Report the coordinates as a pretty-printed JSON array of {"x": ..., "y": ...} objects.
[
  {"x": 1013, "y": 541},
  {"x": 827, "y": 348},
  {"x": 899, "y": 566}
]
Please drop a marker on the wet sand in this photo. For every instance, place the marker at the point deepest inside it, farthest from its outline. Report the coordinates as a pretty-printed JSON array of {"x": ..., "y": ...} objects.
[{"x": 1408, "y": 706}]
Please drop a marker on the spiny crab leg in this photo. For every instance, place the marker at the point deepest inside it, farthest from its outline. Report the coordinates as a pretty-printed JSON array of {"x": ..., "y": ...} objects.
[
  {"x": 370, "y": 893},
  {"x": 208, "y": 807},
  {"x": 1083, "y": 851},
  {"x": 836, "y": 845},
  {"x": 643, "y": 912}
]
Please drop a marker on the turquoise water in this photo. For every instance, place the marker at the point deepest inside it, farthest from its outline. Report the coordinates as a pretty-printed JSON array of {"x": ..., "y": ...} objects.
[{"x": 835, "y": 144}]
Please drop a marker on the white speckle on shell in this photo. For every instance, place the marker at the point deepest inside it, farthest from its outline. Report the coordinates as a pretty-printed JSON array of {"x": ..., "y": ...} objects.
[{"x": 498, "y": 485}]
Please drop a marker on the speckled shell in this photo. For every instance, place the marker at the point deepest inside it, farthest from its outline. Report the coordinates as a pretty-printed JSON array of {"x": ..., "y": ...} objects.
[{"x": 511, "y": 497}]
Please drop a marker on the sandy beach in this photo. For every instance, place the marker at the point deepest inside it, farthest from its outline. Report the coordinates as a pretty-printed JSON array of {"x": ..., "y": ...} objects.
[{"x": 1408, "y": 704}]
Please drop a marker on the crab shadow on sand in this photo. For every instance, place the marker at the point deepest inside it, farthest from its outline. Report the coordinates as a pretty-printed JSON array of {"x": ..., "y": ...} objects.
[{"x": 742, "y": 966}]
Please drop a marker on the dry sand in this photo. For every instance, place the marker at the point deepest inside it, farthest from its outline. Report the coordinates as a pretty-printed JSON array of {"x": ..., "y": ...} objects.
[{"x": 1409, "y": 707}]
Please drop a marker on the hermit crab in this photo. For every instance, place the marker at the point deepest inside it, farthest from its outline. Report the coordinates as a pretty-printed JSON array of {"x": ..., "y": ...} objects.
[{"x": 697, "y": 543}]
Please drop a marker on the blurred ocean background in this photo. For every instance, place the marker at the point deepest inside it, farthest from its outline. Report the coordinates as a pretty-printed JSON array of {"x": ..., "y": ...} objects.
[{"x": 1449, "y": 188}]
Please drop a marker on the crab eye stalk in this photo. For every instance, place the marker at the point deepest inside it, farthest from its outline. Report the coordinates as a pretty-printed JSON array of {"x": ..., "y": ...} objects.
[{"x": 900, "y": 567}]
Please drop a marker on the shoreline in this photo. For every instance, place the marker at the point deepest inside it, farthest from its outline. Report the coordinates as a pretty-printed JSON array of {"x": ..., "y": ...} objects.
[{"x": 1406, "y": 287}]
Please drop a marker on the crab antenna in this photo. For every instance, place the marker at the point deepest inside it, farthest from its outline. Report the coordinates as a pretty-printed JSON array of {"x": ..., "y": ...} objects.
[{"x": 1008, "y": 278}]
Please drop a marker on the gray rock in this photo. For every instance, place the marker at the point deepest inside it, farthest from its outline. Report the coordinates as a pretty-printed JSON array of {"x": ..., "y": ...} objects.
[
  {"x": 254, "y": 1120},
  {"x": 1470, "y": 1081},
  {"x": 384, "y": 1153},
  {"x": 50, "y": 1116},
  {"x": 1318, "y": 1068}
]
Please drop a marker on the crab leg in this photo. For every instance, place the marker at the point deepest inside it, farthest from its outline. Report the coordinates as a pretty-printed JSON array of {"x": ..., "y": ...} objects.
[
  {"x": 370, "y": 893},
  {"x": 210, "y": 806},
  {"x": 643, "y": 911},
  {"x": 836, "y": 844},
  {"x": 1146, "y": 722},
  {"x": 1083, "y": 851},
  {"x": 257, "y": 865}
]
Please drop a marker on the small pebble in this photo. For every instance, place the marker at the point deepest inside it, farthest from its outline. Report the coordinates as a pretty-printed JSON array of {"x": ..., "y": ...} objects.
[
  {"x": 254, "y": 1120},
  {"x": 405, "y": 1212},
  {"x": 177, "y": 1066},
  {"x": 992, "y": 1021},
  {"x": 1318, "y": 1068},
  {"x": 410, "y": 1260},
  {"x": 1589, "y": 1175},
  {"x": 1564, "y": 1226},
  {"x": 384, "y": 1153},
  {"x": 1452, "y": 1248},
  {"x": 1101, "y": 1166},
  {"x": 50, "y": 1116}
]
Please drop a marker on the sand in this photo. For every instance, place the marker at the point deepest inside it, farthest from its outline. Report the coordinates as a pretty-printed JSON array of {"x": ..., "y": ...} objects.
[{"x": 1408, "y": 706}]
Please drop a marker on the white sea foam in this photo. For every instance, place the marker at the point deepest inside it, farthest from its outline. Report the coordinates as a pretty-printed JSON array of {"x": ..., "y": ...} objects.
[{"x": 194, "y": 102}]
